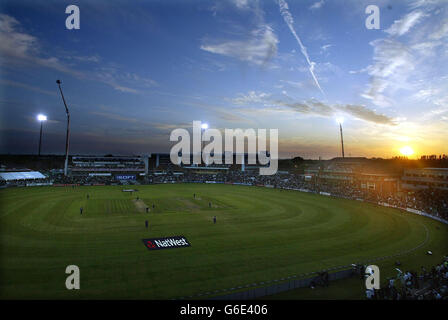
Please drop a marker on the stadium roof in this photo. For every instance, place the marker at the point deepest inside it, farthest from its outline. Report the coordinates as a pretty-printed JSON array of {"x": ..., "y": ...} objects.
[{"x": 8, "y": 176}]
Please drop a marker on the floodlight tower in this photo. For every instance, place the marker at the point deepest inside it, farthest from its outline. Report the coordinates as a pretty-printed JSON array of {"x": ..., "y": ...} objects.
[
  {"x": 41, "y": 118},
  {"x": 67, "y": 137},
  {"x": 341, "y": 121}
]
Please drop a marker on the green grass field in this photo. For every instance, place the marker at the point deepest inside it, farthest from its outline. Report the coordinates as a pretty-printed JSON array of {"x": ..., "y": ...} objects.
[{"x": 261, "y": 234}]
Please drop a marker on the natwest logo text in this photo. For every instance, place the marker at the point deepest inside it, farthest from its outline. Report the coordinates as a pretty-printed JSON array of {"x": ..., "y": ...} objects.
[{"x": 166, "y": 243}]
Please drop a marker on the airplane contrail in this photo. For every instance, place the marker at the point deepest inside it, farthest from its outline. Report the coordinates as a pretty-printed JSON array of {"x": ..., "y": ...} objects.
[{"x": 284, "y": 10}]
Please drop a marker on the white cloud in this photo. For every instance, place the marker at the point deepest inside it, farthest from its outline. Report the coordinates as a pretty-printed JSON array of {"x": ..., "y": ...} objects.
[
  {"x": 317, "y": 5},
  {"x": 319, "y": 108},
  {"x": 393, "y": 65},
  {"x": 424, "y": 94},
  {"x": 14, "y": 43},
  {"x": 426, "y": 48},
  {"x": 425, "y": 3},
  {"x": 94, "y": 58},
  {"x": 18, "y": 47},
  {"x": 410, "y": 63},
  {"x": 440, "y": 33},
  {"x": 241, "y": 4},
  {"x": 402, "y": 26},
  {"x": 295, "y": 84},
  {"x": 251, "y": 97},
  {"x": 264, "y": 103},
  {"x": 389, "y": 57},
  {"x": 26, "y": 86},
  {"x": 258, "y": 44},
  {"x": 258, "y": 49},
  {"x": 123, "y": 82}
]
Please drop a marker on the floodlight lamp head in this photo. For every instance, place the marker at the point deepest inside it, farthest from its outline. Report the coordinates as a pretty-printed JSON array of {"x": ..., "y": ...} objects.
[
  {"x": 204, "y": 126},
  {"x": 340, "y": 120},
  {"x": 41, "y": 117}
]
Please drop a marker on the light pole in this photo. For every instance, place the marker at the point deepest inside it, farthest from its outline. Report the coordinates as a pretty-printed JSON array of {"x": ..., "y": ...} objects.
[
  {"x": 340, "y": 121},
  {"x": 41, "y": 118},
  {"x": 67, "y": 137}
]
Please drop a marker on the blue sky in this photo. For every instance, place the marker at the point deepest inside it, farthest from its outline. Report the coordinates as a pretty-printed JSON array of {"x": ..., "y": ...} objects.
[{"x": 134, "y": 72}]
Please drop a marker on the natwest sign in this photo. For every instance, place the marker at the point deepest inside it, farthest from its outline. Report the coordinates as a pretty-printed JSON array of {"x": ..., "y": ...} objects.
[{"x": 166, "y": 243}]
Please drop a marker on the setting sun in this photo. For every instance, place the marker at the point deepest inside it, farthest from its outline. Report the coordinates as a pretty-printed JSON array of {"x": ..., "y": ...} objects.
[{"x": 407, "y": 151}]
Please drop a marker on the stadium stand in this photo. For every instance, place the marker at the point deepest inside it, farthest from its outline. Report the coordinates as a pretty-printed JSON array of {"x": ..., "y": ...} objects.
[
  {"x": 106, "y": 170},
  {"x": 23, "y": 178},
  {"x": 11, "y": 176},
  {"x": 424, "y": 178}
]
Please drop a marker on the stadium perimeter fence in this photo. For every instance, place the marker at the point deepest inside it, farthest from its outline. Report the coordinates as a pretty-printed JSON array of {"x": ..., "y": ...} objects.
[{"x": 284, "y": 286}]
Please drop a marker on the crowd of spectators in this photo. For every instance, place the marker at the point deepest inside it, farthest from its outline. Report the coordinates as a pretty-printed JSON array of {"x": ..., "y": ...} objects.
[
  {"x": 430, "y": 201},
  {"x": 87, "y": 180},
  {"x": 24, "y": 183},
  {"x": 412, "y": 285}
]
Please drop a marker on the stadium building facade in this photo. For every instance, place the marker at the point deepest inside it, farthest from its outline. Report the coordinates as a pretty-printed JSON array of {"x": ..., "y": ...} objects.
[
  {"x": 425, "y": 178},
  {"x": 118, "y": 168},
  {"x": 355, "y": 173}
]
